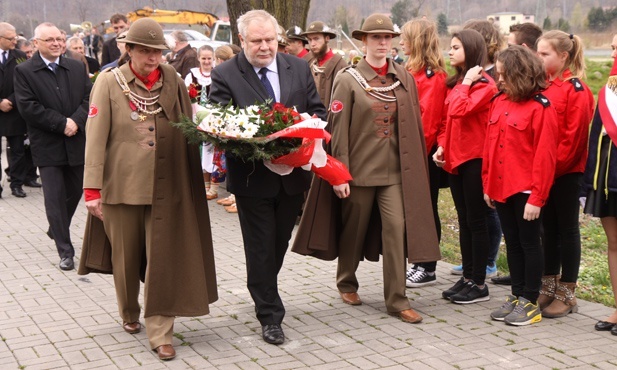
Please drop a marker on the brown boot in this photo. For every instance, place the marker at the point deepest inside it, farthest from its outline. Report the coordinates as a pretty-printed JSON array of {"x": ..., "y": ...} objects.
[
  {"x": 564, "y": 302},
  {"x": 547, "y": 291}
]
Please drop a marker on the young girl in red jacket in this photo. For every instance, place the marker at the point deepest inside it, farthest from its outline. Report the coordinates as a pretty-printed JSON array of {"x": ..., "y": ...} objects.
[
  {"x": 460, "y": 145},
  {"x": 420, "y": 43},
  {"x": 517, "y": 174},
  {"x": 562, "y": 55}
]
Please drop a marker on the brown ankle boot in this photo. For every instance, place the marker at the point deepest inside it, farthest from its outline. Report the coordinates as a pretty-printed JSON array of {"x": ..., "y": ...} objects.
[
  {"x": 564, "y": 302},
  {"x": 547, "y": 291}
]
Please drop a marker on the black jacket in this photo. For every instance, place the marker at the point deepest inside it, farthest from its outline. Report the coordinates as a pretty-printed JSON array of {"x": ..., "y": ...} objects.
[
  {"x": 110, "y": 52},
  {"x": 45, "y": 100},
  {"x": 11, "y": 123},
  {"x": 236, "y": 80}
]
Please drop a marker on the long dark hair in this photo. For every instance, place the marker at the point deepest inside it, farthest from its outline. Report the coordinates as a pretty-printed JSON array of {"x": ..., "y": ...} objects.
[{"x": 475, "y": 54}]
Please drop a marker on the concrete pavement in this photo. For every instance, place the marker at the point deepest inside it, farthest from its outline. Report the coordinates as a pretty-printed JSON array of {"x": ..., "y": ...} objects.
[{"x": 50, "y": 319}]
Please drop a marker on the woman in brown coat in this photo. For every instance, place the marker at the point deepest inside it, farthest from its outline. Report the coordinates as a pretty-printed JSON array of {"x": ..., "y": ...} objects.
[
  {"x": 377, "y": 133},
  {"x": 143, "y": 181}
]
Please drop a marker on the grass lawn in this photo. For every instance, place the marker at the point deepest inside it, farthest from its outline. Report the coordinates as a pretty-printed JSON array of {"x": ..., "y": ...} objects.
[{"x": 594, "y": 282}]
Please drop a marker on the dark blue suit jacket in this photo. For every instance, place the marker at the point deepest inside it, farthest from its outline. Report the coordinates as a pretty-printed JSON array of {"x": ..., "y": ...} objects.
[{"x": 236, "y": 80}]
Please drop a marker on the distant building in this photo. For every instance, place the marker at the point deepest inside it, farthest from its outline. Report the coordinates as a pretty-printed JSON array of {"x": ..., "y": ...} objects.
[{"x": 506, "y": 19}]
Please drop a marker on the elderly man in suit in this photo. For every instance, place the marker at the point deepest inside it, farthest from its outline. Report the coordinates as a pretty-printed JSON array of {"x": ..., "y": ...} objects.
[
  {"x": 52, "y": 94},
  {"x": 12, "y": 125},
  {"x": 268, "y": 204}
]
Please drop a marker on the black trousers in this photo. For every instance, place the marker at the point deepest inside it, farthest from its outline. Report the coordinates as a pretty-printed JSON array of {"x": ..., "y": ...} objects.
[
  {"x": 434, "y": 175},
  {"x": 266, "y": 225},
  {"x": 26, "y": 159},
  {"x": 562, "y": 235},
  {"x": 62, "y": 190},
  {"x": 523, "y": 246},
  {"x": 18, "y": 166},
  {"x": 472, "y": 211}
]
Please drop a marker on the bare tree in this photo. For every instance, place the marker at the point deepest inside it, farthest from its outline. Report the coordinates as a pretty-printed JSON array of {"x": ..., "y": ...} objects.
[{"x": 287, "y": 12}]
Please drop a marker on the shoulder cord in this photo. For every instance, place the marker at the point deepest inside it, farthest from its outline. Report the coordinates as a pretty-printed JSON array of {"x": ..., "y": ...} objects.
[
  {"x": 376, "y": 92},
  {"x": 140, "y": 102}
]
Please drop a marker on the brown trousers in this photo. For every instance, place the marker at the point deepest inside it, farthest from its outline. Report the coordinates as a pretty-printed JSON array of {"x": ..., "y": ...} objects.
[
  {"x": 357, "y": 210},
  {"x": 128, "y": 228}
]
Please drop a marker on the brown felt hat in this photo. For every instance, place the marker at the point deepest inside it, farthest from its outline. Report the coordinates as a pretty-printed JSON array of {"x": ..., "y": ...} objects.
[
  {"x": 295, "y": 33},
  {"x": 319, "y": 27},
  {"x": 146, "y": 32},
  {"x": 376, "y": 23}
]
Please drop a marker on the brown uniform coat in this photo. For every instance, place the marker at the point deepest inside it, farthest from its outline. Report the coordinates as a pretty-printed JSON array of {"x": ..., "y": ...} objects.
[
  {"x": 182, "y": 276},
  {"x": 318, "y": 234},
  {"x": 325, "y": 80}
]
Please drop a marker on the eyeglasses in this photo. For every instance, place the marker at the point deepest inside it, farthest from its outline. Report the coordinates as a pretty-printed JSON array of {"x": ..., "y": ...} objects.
[
  {"x": 10, "y": 38},
  {"x": 51, "y": 40}
]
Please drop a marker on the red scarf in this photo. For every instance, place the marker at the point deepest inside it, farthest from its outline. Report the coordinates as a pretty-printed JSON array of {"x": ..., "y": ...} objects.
[
  {"x": 325, "y": 58},
  {"x": 381, "y": 70},
  {"x": 148, "y": 80}
]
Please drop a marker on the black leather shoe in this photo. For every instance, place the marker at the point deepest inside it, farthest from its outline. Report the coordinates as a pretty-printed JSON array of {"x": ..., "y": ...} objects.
[
  {"x": 273, "y": 334},
  {"x": 18, "y": 192},
  {"x": 502, "y": 280},
  {"x": 67, "y": 264},
  {"x": 614, "y": 330},
  {"x": 604, "y": 326},
  {"x": 33, "y": 184}
]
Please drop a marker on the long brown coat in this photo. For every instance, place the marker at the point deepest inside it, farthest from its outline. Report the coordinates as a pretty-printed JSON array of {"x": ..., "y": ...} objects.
[
  {"x": 319, "y": 230},
  {"x": 181, "y": 274}
]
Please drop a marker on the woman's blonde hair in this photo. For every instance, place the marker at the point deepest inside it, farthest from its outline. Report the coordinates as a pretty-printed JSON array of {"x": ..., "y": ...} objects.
[
  {"x": 223, "y": 53},
  {"x": 571, "y": 44},
  {"x": 423, "y": 40}
]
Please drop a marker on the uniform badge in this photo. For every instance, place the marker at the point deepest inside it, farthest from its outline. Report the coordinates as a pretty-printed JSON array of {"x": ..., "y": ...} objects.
[
  {"x": 93, "y": 111},
  {"x": 336, "y": 106}
]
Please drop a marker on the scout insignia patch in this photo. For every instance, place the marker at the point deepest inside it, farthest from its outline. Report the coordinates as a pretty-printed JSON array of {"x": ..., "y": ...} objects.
[
  {"x": 93, "y": 111},
  {"x": 336, "y": 106}
]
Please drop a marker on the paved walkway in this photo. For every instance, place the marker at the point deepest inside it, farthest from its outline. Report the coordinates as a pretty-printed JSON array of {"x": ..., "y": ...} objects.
[{"x": 51, "y": 319}]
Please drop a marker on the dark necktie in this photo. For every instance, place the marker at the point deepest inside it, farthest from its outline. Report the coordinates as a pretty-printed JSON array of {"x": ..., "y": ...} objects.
[
  {"x": 53, "y": 66},
  {"x": 264, "y": 80},
  {"x": 4, "y": 57}
]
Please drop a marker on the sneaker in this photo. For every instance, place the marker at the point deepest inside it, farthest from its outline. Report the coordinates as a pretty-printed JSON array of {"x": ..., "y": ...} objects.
[
  {"x": 457, "y": 270},
  {"x": 491, "y": 271},
  {"x": 420, "y": 278},
  {"x": 411, "y": 270},
  {"x": 460, "y": 285},
  {"x": 524, "y": 313},
  {"x": 471, "y": 294},
  {"x": 501, "y": 313}
]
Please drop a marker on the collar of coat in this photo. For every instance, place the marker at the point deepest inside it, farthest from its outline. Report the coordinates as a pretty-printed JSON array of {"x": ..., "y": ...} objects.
[
  {"x": 169, "y": 88},
  {"x": 39, "y": 63},
  {"x": 369, "y": 73}
]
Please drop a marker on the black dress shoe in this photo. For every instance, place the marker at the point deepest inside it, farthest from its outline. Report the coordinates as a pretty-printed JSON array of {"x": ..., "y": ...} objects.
[
  {"x": 614, "y": 330},
  {"x": 502, "y": 280},
  {"x": 33, "y": 184},
  {"x": 273, "y": 334},
  {"x": 67, "y": 264},
  {"x": 604, "y": 326},
  {"x": 18, "y": 192}
]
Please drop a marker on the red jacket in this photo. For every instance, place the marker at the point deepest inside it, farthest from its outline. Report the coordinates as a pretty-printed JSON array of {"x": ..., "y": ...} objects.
[
  {"x": 462, "y": 131},
  {"x": 574, "y": 104},
  {"x": 432, "y": 91},
  {"x": 520, "y": 150}
]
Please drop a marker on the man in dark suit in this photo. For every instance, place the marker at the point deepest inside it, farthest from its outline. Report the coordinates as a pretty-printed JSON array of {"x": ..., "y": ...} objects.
[
  {"x": 111, "y": 52},
  {"x": 268, "y": 204},
  {"x": 52, "y": 95},
  {"x": 12, "y": 125}
]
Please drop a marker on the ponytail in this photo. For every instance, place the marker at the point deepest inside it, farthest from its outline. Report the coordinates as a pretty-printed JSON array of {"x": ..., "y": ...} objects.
[{"x": 573, "y": 45}]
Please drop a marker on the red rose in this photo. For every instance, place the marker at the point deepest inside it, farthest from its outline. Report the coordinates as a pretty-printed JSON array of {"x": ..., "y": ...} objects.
[{"x": 193, "y": 92}]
